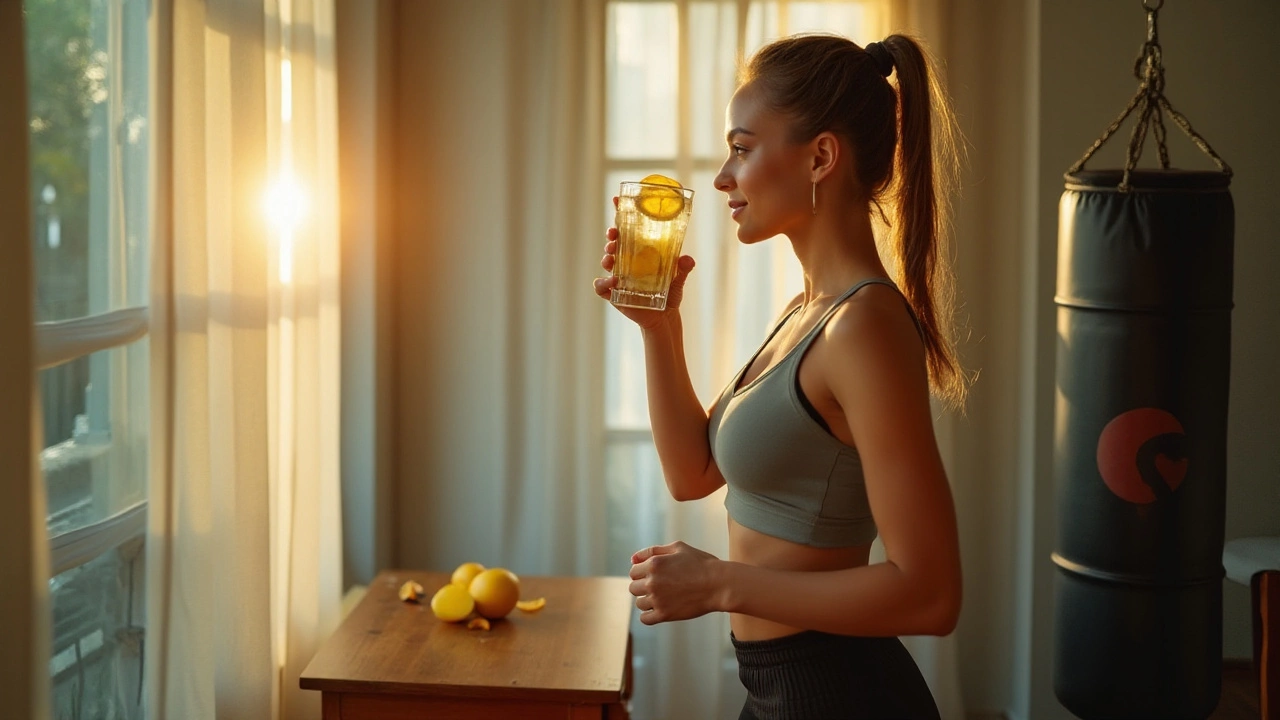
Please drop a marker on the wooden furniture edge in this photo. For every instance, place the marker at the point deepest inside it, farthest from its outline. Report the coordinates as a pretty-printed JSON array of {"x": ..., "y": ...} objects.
[
  {"x": 1264, "y": 591},
  {"x": 468, "y": 692}
]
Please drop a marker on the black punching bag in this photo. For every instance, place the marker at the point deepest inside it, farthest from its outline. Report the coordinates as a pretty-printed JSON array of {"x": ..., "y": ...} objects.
[
  {"x": 1144, "y": 340},
  {"x": 1140, "y": 429}
]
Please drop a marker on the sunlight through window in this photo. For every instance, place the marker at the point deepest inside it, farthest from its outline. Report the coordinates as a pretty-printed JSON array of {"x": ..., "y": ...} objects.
[{"x": 285, "y": 206}]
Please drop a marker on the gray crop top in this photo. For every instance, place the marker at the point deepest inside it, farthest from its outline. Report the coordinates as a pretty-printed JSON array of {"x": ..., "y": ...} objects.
[{"x": 787, "y": 475}]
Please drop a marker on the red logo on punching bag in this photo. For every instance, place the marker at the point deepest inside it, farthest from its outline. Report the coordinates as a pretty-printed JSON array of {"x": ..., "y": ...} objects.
[{"x": 1120, "y": 456}]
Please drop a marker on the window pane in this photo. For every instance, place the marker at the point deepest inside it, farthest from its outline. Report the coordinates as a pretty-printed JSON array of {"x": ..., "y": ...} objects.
[
  {"x": 95, "y": 424},
  {"x": 848, "y": 19},
  {"x": 637, "y": 501},
  {"x": 96, "y": 659},
  {"x": 712, "y": 44},
  {"x": 640, "y": 77},
  {"x": 87, "y": 92},
  {"x": 762, "y": 26},
  {"x": 712, "y": 236}
]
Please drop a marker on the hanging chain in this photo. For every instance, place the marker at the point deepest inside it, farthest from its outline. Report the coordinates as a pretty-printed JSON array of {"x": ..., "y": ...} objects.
[{"x": 1149, "y": 102}]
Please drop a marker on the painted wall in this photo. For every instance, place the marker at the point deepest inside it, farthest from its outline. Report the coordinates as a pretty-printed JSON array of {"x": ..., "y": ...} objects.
[
  {"x": 365, "y": 47},
  {"x": 989, "y": 79}
]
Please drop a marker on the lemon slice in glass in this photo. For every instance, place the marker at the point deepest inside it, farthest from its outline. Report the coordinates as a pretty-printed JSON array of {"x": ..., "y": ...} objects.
[
  {"x": 646, "y": 262},
  {"x": 661, "y": 198}
]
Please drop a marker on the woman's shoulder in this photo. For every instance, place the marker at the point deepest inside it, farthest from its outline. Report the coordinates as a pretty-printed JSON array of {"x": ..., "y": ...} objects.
[
  {"x": 874, "y": 354},
  {"x": 875, "y": 319}
]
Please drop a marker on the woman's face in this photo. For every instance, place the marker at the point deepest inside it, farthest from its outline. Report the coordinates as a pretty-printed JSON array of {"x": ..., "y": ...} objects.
[{"x": 766, "y": 175}]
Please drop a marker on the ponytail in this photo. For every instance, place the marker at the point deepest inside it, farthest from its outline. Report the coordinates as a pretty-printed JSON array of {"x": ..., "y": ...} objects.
[
  {"x": 926, "y": 165},
  {"x": 907, "y": 149}
]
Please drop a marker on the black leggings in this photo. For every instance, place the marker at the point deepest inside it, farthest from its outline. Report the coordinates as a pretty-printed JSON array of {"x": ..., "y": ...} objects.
[{"x": 814, "y": 676}]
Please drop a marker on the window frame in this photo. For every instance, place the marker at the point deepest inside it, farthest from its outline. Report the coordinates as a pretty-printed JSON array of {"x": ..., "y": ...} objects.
[
  {"x": 109, "y": 326},
  {"x": 114, "y": 440}
]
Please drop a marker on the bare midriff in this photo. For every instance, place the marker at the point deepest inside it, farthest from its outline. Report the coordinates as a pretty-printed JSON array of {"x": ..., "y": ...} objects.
[{"x": 750, "y": 547}]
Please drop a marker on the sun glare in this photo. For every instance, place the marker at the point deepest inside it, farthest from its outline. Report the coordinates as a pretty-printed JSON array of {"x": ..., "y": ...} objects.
[{"x": 285, "y": 206}]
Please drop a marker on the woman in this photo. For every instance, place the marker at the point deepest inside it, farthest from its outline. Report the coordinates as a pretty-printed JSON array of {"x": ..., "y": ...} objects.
[{"x": 825, "y": 438}]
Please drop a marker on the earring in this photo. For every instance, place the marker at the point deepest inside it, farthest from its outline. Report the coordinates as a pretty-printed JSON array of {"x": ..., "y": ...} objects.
[{"x": 815, "y": 198}]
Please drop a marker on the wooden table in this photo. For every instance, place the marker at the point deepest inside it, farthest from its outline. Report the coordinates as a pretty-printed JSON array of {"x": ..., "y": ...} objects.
[{"x": 392, "y": 659}]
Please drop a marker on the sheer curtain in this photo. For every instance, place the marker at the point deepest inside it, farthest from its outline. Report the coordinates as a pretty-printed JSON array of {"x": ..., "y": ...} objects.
[
  {"x": 498, "y": 335},
  {"x": 670, "y": 74},
  {"x": 244, "y": 556}
]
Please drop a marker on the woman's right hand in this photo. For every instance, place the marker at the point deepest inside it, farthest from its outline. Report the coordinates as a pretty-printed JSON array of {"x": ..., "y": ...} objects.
[{"x": 646, "y": 319}]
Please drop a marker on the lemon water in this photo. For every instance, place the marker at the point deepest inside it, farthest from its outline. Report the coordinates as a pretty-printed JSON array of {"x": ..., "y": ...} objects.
[{"x": 651, "y": 222}]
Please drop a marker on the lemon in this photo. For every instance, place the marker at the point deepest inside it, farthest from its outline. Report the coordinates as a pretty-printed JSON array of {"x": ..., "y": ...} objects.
[
  {"x": 660, "y": 199},
  {"x": 452, "y": 603},
  {"x": 466, "y": 572},
  {"x": 646, "y": 261},
  {"x": 656, "y": 179},
  {"x": 495, "y": 592}
]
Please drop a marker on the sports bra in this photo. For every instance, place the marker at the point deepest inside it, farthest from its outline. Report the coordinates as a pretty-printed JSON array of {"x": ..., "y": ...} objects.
[{"x": 787, "y": 475}]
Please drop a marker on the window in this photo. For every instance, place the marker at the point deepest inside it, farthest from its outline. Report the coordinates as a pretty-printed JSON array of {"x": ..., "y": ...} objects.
[
  {"x": 670, "y": 71},
  {"x": 87, "y": 64}
]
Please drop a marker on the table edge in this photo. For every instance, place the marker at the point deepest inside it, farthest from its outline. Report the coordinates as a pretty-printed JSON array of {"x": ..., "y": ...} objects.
[{"x": 469, "y": 692}]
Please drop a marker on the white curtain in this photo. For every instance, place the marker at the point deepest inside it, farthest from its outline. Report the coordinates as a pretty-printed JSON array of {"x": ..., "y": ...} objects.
[
  {"x": 498, "y": 335},
  {"x": 244, "y": 557}
]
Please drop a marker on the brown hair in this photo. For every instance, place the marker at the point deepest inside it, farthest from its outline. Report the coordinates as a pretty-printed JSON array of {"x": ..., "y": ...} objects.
[{"x": 906, "y": 150}]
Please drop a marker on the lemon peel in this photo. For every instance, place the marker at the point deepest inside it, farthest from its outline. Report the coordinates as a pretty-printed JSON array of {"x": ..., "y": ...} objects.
[
  {"x": 531, "y": 606},
  {"x": 411, "y": 591}
]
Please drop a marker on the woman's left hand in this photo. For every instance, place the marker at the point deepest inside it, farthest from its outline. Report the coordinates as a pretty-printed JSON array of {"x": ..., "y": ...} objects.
[{"x": 674, "y": 582}]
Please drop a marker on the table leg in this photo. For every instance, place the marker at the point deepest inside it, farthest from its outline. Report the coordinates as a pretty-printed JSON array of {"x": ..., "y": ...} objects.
[
  {"x": 330, "y": 706},
  {"x": 1265, "y": 591}
]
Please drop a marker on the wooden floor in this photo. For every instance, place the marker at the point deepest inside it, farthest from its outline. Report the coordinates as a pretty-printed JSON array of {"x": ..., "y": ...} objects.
[{"x": 1239, "y": 692}]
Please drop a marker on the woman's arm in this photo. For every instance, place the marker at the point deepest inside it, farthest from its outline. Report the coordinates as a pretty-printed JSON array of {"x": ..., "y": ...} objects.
[
  {"x": 679, "y": 423},
  {"x": 678, "y": 582},
  {"x": 872, "y": 601}
]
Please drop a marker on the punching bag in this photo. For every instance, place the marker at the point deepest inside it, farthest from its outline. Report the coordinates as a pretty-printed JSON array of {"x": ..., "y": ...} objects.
[{"x": 1144, "y": 296}]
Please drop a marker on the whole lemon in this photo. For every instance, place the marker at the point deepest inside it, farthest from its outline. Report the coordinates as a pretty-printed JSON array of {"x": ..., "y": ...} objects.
[
  {"x": 452, "y": 603},
  {"x": 495, "y": 592},
  {"x": 466, "y": 572}
]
